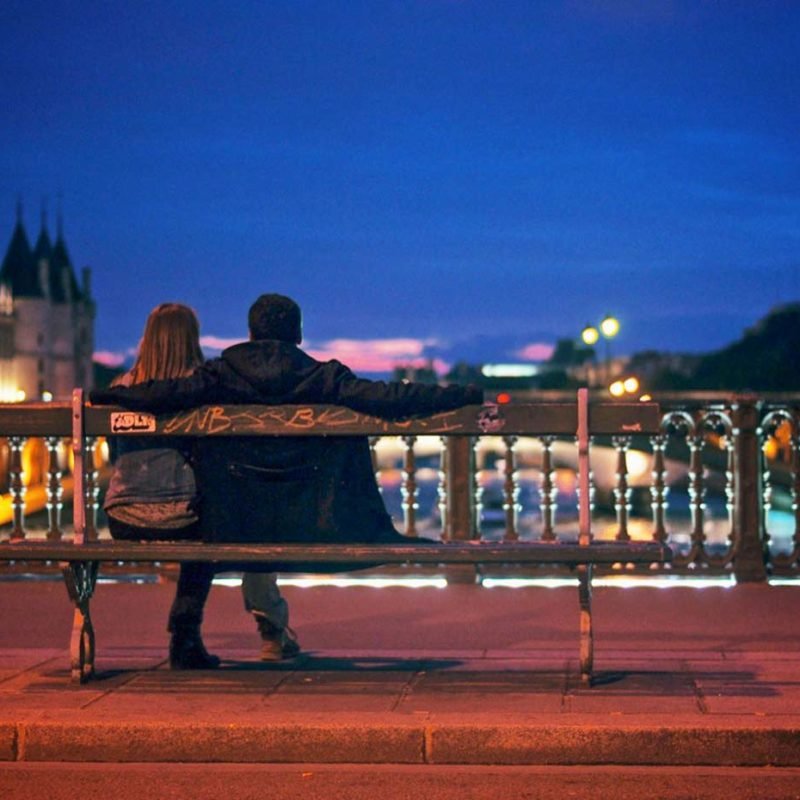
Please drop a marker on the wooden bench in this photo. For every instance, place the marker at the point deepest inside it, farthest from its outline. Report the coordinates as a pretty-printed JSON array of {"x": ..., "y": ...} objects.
[{"x": 81, "y": 553}]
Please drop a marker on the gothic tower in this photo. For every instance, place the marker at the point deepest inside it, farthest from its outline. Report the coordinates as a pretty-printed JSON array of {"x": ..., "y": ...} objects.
[{"x": 46, "y": 319}]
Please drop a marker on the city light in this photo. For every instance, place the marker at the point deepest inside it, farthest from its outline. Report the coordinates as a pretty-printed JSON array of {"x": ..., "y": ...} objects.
[
  {"x": 608, "y": 328},
  {"x": 631, "y": 385},
  {"x": 509, "y": 370},
  {"x": 590, "y": 335},
  {"x": 623, "y": 386}
]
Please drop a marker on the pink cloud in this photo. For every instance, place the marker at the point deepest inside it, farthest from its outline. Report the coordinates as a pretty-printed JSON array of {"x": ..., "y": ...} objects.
[
  {"x": 376, "y": 355},
  {"x": 109, "y": 359},
  {"x": 537, "y": 351},
  {"x": 218, "y": 342},
  {"x": 361, "y": 355}
]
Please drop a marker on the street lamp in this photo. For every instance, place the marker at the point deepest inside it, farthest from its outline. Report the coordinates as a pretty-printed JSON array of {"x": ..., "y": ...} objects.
[
  {"x": 625, "y": 386},
  {"x": 608, "y": 329}
]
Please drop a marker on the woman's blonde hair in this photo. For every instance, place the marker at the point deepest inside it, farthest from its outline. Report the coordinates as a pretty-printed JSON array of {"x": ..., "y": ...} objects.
[{"x": 170, "y": 346}]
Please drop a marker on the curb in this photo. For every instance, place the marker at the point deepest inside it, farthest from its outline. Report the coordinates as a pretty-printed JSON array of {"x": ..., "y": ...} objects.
[{"x": 358, "y": 742}]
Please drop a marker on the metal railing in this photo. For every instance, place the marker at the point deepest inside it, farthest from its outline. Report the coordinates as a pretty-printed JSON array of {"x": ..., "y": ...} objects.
[{"x": 719, "y": 482}]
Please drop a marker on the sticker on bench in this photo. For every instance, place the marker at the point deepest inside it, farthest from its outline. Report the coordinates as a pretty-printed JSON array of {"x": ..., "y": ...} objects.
[
  {"x": 490, "y": 419},
  {"x": 132, "y": 422}
]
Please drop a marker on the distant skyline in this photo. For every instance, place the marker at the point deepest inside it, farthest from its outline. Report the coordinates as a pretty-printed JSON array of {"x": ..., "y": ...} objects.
[{"x": 441, "y": 178}]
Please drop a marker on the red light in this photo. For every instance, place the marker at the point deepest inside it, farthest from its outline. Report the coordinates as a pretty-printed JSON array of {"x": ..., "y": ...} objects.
[{"x": 503, "y": 398}]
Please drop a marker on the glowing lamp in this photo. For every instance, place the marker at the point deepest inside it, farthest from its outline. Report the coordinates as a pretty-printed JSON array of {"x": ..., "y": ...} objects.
[
  {"x": 609, "y": 326},
  {"x": 590, "y": 335},
  {"x": 631, "y": 385},
  {"x": 617, "y": 389}
]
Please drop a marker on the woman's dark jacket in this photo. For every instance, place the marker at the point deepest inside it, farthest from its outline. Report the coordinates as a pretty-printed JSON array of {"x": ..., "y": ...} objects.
[{"x": 288, "y": 489}]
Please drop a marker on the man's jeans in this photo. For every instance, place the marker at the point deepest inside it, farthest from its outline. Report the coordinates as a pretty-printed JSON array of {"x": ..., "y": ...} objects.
[{"x": 262, "y": 597}]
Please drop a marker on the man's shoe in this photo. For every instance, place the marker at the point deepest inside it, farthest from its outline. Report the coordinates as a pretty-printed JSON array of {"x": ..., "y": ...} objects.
[
  {"x": 278, "y": 644},
  {"x": 187, "y": 651}
]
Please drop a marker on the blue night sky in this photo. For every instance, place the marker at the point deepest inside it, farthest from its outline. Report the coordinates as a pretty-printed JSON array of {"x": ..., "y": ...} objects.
[{"x": 462, "y": 179}]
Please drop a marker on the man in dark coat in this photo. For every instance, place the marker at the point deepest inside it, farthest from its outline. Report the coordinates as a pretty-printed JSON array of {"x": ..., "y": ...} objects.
[{"x": 288, "y": 489}]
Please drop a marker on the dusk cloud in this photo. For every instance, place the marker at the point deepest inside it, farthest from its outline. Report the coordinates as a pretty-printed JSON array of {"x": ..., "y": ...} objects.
[
  {"x": 537, "y": 351},
  {"x": 109, "y": 359},
  {"x": 377, "y": 355},
  {"x": 361, "y": 355}
]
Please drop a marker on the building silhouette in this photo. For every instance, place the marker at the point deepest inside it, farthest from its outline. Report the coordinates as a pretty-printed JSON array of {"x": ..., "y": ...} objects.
[{"x": 46, "y": 318}]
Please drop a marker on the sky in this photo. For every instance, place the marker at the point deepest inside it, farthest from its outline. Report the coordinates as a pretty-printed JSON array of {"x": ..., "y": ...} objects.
[{"x": 455, "y": 179}]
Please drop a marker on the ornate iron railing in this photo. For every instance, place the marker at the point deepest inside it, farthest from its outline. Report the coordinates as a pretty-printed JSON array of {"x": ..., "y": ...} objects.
[{"x": 719, "y": 482}]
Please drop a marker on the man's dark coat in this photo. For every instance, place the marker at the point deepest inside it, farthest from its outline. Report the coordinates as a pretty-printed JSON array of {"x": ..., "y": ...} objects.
[{"x": 285, "y": 489}]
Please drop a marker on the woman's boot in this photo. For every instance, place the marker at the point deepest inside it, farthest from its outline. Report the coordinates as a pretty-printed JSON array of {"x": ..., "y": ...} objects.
[{"x": 187, "y": 651}]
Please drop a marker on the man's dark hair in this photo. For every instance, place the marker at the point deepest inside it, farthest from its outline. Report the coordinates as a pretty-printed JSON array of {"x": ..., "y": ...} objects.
[{"x": 274, "y": 316}]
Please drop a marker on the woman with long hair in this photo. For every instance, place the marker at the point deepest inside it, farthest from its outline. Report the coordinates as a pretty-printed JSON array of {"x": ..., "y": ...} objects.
[
  {"x": 152, "y": 492},
  {"x": 152, "y": 495}
]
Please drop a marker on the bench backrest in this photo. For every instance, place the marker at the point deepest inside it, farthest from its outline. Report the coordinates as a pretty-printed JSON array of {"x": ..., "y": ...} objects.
[{"x": 580, "y": 419}]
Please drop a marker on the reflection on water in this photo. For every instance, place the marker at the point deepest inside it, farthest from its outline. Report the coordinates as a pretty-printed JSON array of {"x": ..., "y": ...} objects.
[{"x": 679, "y": 523}]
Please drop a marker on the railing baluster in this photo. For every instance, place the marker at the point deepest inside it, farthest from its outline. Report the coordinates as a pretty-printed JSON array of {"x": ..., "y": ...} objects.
[
  {"x": 511, "y": 505},
  {"x": 476, "y": 486},
  {"x": 92, "y": 489},
  {"x": 718, "y": 422},
  {"x": 795, "y": 491},
  {"x": 409, "y": 487},
  {"x": 770, "y": 426},
  {"x": 16, "y": 445},
  {"x": 679, "y": 423},
  {"x": 659, "y": 490},
  {"x": 441, "y": 488},
  {"x": 730, "y": 490},
  {"x": 622, "y": 492},
  {"x": 697, "y": 494},
  {"x": 55, "y": 490},
  {"x": 548, "y": 490},
  {"x": 373, "y": 454}
]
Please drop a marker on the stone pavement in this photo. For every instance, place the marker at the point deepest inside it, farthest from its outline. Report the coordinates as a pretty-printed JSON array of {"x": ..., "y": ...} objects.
[{"x": 461, "y": 675}]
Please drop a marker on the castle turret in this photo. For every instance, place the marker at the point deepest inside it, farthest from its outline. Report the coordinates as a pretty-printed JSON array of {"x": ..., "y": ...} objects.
[{"x": 46, "y": 319}]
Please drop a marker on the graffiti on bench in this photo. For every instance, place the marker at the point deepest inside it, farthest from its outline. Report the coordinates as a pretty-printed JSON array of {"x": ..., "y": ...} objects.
[{"x": 213, "y": 420}]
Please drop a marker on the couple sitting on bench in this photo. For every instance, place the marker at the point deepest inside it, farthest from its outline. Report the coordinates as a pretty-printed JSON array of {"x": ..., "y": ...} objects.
[{"x": 249, "y": 489}]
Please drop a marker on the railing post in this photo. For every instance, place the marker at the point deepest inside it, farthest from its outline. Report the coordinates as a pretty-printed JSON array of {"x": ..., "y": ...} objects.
[
  {"x": 461, "y": 515},
  {"x": 460, "y": 518},
  {"x": 749, "y": 562},
  {"x": 584, "y": 470}
]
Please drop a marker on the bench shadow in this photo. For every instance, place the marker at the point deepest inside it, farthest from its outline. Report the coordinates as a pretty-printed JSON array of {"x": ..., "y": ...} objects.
[
  {"x": 637, "y": 682},
  {"x": 441, "y": 672},
  {"x": 311, "y": 663}
]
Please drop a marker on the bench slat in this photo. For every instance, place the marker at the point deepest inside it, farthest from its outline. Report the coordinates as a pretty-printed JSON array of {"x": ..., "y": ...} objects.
[
  {"x": 36, "y": 419},
  {"x": 451, "y": 552},
  {"x": 557, "y": 419}
]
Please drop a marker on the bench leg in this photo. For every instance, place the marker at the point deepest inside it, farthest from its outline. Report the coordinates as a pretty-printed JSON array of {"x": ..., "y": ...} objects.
[
  {"x": 80, "y": 578},
  {"x": 587, "y": 637}
]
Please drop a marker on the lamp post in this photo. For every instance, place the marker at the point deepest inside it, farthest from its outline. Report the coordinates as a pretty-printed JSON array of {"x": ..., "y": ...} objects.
[{"x": 608, "y": 329}]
